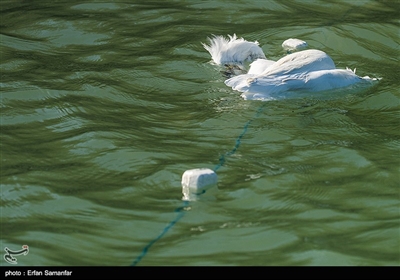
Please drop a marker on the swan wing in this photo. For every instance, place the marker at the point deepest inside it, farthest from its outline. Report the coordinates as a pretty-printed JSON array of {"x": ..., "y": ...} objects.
[
  {"x": 260, "y": 65},
  {"x": 300, "y": 62},
  {"x": 266, "y": 84}
]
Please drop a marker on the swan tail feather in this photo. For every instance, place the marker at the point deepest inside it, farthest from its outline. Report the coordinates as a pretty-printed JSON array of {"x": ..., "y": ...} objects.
[{"x": 232, "y": 50}]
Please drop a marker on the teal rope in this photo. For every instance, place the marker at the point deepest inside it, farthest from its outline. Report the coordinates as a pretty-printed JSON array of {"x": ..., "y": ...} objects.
[
  {"x": 165, "y": 230},
  {"x": 222, "y": 159},
  {"x": 180, "y": 210}
]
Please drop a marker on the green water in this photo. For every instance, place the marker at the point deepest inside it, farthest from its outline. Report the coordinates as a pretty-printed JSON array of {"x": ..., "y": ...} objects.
[{"x": 105, "y": 105}]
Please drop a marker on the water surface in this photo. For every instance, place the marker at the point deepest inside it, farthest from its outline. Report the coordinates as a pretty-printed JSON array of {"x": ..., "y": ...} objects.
[{"x": 105, "y": 105}]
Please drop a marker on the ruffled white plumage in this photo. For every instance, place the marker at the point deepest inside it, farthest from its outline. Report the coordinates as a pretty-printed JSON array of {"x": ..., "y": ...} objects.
[
  {"x": 233, "y": 50},
  {"x": 307, "y": 70}
]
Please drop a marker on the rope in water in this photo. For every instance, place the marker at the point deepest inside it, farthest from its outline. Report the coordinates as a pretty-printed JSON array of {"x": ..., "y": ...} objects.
[
  {"x": 222, "y": 159},
  {"x": 180, "y": 210},
  {"x": 164, "y": 231}
]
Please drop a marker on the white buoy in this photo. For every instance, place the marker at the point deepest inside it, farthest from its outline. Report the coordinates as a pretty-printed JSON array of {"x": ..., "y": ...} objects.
[
  {"x": 294, "y": 45},
  {"x": 197, "y": 181}
]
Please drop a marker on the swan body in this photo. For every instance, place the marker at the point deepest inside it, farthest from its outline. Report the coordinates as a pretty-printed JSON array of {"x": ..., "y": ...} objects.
[
  {"x": 302, "y": 71},
  {"x": 267, "y": 87},
  {"x": 300, "y": 62},
  {"x": 260, "y": 65}
]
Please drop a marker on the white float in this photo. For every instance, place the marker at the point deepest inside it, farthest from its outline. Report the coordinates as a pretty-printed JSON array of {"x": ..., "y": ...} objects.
[
  {"x": 294, "y": 45},
  {"x": 197, "y": 181}
]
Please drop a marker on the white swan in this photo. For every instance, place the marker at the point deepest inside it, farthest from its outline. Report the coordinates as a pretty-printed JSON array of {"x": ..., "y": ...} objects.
[{"x": 307, "y": 70}]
